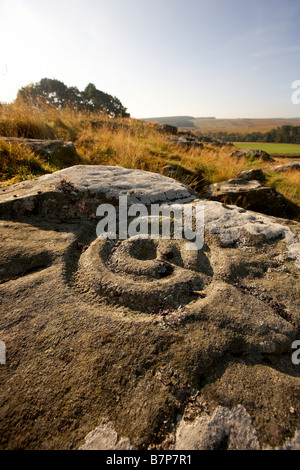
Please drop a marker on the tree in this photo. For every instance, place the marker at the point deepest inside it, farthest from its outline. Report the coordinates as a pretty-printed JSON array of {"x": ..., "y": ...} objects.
[
  {"x": 96, "y": 100},
  {"x": 56, "y": 94}
]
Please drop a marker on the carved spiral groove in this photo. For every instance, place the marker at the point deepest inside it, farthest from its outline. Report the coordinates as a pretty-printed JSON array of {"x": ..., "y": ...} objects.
[{"x": 144, "y": 274}]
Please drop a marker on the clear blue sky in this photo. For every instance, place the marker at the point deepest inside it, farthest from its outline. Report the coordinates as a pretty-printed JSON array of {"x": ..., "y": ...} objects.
[{"x": 223, "y": 58}]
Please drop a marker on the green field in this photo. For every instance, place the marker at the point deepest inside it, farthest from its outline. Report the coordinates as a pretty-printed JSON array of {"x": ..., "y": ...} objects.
[{"x": 292, "y": 150}]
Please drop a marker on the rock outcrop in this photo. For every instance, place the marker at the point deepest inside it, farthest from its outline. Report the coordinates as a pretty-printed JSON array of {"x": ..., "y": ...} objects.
[
  {"x": 252, "y": 194},
  {"x": 139, "y": 343},
  {"x": 253, "y": 154},
  {"x": 187, "y": 139},
  {"x": 250, "y": 175},
  {"x": 291, "y": 166},
  {"x": 77, "y": 191},
  {"x": 186, "y": 142},
  {"x": 166, "y": 129},
  {"x": 49, "y": 149},
  {"x": 211, "y": 140}
]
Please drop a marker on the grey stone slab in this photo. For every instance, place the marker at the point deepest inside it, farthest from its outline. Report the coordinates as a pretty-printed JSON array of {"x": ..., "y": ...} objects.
[{"x": 80, "y": 189}]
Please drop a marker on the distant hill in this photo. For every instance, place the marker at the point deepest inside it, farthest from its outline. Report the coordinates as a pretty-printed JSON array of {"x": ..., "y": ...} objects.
[{"x": 211, "y": 124}]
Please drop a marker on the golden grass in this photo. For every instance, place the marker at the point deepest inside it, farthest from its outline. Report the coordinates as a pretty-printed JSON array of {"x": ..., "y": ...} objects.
[
  {"x": 22, "y": 120},
  {"x": 287, "y": 183},
  {"x": 18, "y": 120},
  {"x": 18, "y": 163},
  {"x": 136, "y": 144},
  {"x": 148, "y": 150}
]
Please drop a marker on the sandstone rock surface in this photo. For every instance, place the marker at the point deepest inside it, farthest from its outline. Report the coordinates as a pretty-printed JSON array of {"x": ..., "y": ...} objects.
[
  {"x": 230, "y": 428},
  {"x": 105, "y": 438},
  {"x": 250, "y": 175},
  {"x": 291, "y": 166},
  {"x": 109, "y": 341},
  {"x": 77, "y": 191},
  {"x": 252, "y": 195}
]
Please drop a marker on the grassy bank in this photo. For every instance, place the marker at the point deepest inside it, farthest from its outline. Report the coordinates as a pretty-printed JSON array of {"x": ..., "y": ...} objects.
[{"x": 135, "y": 144}]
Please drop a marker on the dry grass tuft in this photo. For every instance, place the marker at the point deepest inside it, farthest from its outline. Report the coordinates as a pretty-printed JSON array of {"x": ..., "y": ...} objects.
[{"x": 18, "y": 163}]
